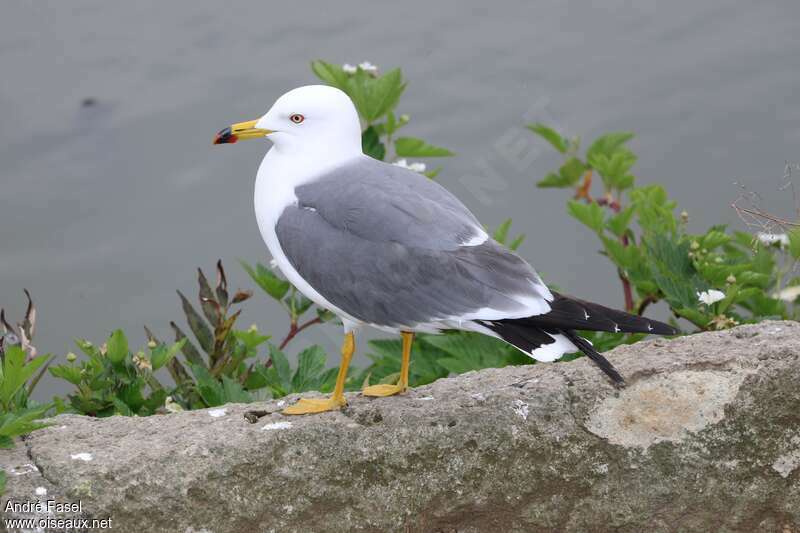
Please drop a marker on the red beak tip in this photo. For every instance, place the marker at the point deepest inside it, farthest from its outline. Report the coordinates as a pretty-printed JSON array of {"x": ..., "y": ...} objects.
[{"x": 225, "y": 137}]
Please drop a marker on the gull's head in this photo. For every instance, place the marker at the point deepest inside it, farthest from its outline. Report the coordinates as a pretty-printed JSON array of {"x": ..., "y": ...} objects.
[{"x": 314, "y": 116}]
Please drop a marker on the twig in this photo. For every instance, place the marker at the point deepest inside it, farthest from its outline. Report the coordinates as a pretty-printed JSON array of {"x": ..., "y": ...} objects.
[
  {"x": 767, "y": 216},
  {"x": 295, "y": 329},
  {"x": 649, "y": 299},
  {"x": 626, "y": 288}
]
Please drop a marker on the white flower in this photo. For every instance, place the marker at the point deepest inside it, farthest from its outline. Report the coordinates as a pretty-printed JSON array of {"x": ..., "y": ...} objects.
[
  {"x": 416, "y": 167},
  {"x": 348, "y": 68},
  {"x": 366, "y": 66},
  {"x": 711, "y": 296},
  {"x": 768, "y": 239},
  {"x": 789, "y": 294}
]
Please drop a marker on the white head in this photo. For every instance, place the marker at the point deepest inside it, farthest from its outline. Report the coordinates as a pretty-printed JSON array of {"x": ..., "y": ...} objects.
[{"x": 310, "y": 119}]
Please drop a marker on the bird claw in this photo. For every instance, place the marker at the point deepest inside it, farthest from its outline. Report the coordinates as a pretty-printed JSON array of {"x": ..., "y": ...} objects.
[
  {"x": 383, "y": 390},
  {"x": 306, "y": 406}
]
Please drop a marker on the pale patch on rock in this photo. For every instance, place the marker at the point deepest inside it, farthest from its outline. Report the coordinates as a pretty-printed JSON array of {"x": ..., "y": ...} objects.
[
  {"x": 22, "y": 470},
  {"x": 277, "y": 425},
  {"x": 216, "y": 413},
  {"x": 83, "y": 456},
  {"x": 521, "y": 408},
  {"x": 788, "y": 462},
  {"x": 40, "y": 491},
  {"x": 665, "y": 407}
]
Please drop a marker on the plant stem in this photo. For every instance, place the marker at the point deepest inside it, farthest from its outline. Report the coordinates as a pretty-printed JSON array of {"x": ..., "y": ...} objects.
[
  {"x": 649, "y": 299},
  {"x": 295, "y": 329},
  {"x": 626, "y": 288}
]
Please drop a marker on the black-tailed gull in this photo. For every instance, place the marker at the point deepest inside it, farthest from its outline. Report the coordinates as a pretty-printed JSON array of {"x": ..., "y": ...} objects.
[{"x": 384, "y": 246}]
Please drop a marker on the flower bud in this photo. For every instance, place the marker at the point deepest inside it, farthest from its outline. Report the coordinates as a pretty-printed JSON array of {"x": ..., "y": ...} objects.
[
  {"x": 731, "y": 279},
  {"x": 71, "y": 357},
  {"x": 152, "y": 344},
  {"x": 695, "y": 245}
]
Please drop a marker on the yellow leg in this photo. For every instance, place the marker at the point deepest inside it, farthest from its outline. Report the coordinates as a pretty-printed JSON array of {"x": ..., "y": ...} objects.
[
  {"x": 306, "y": 406},
  {"x": 402, "y": 385}
]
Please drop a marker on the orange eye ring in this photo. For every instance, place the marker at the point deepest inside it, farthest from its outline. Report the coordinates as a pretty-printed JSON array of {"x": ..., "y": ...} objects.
[{"x": 297, "y": 118}]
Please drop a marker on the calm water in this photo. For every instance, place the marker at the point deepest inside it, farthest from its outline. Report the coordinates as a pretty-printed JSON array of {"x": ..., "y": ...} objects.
[{"x": 107, "y": 209}]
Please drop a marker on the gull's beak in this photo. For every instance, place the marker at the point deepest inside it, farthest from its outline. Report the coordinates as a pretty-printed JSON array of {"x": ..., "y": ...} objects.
[{"x": 240, "y": 131}]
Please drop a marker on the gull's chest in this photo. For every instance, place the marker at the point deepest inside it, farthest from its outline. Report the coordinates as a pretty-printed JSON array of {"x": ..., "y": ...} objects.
[{"x": 274, "y": 191}]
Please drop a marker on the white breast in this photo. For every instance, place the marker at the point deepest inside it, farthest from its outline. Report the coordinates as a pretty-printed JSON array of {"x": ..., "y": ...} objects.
[{"x": 274, "y": 191}]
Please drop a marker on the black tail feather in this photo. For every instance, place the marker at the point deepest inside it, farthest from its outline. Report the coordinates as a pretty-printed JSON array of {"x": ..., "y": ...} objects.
[
  {"x": 604, "y": 364},
  {"x": 568, "y": 314}
]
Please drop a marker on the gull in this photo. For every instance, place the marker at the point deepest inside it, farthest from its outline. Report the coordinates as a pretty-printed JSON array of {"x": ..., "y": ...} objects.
[{"x": 382, "y": 246}]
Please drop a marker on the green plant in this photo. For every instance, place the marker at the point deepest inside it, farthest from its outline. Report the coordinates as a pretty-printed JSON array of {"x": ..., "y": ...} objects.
[
  {"x": 290, "y": 299},
  {"x": 376, "y": 98},
  {"x": 217, "y": 359},
  {"x": 715, "y": 279},
  {"x": 114, "y": 380},
  {"x": 17, "y": 423},
  {"x": 438, "y": 356},
  {"x": 280, "y": 380},
  {"x": 22, "y": 336},
  {"x": 18, "y": 414}
]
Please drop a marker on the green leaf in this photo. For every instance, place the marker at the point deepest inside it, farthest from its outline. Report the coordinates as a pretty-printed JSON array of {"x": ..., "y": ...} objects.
[
  {"x": 371, "y": 144},
  {"x": 517, "y": 242},
  {"x": 501, "y": 233},
  {"x": 208, "y": 301},
  {"x": 550, "y": 135},
  {"x": 713, "y": 239},
  {"x": 794, "y": 243},
  {"x": 252, "y": 339},
  {"x": 2, "y": 481},
  {"x": 68, "y": 373},
  {"x": 21, "y": 422},
  {"x": 618, "y": 224},
  {"x": 281, "y": 365},
  {"x": 568, "y": 175},
  {"x": 210, "y": 389},
  {"x": 591, "y": 215},
  {"x": 607, "y": 144},
  {"x": 754, "y": 278},
  {"x": 16, "y": 373},
  {"x": 267, "y": 280},
  {"x": 121, "y": 407},
  {"x": 233, "y": 392},
  {"x": 189, "y": 351},
  {"x": 432, "y": 173},
  {"x": 613, "y": 168},
  {"x": 471, "y": 351},
  {"x": 378, "y": 95},
  {"x": 310, "y": 364},
  {"x": 673, "y": 272},
  {"x": 162, "y": 355},
  {"x": 424, "y": 366},
  {"x": 117, "y": 347},
  {"x": 413, "y": 147},
  {"x": 330, "y": 74},
  {"x": 553, "y": 181},
  {"x": 694, "y": 316},
  {"x": 198, "y": 326}
]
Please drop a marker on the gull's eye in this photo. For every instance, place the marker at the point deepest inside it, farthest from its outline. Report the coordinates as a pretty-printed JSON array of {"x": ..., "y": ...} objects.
[{"x": 297, "y": 118}]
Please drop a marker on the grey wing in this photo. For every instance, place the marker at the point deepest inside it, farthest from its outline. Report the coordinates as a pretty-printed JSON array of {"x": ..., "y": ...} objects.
[
  {"x": 385, "y": 203},
  {"x": 390, "y": 283}
]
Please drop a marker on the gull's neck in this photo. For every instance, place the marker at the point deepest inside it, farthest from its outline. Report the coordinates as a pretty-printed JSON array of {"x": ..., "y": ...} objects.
[{"x": 283, "y": 170}]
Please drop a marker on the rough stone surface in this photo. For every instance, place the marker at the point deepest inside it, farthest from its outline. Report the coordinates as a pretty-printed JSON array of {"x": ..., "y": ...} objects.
[{"x": 705, "y": 437}]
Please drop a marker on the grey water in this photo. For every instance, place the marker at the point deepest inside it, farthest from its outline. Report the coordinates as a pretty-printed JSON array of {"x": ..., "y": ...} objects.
[{"x": 111, "y": 193}]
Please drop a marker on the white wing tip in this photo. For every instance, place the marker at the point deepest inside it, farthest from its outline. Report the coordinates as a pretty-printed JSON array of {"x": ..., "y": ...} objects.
[{"x": 477, "y": 240}]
